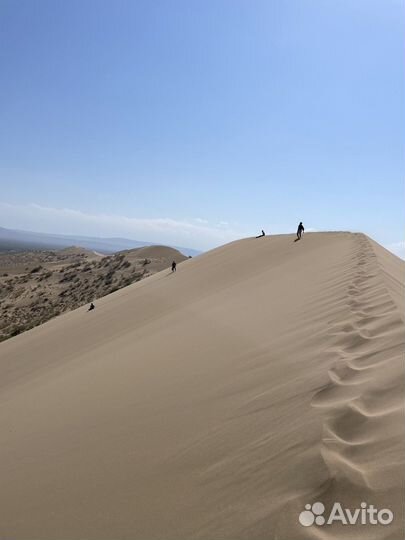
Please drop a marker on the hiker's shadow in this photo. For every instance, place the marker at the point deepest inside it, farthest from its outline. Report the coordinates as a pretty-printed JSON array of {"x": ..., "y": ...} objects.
[{"x": 297, "y": 239}]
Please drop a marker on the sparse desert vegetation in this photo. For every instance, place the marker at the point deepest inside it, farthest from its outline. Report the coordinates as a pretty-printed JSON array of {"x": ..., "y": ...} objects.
[{"x": 36, "y": 286}]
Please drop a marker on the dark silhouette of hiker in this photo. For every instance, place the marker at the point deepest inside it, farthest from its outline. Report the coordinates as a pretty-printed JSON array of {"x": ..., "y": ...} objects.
[
  {"x": 92, "y": 306},
  {"x": 260, "y": 235},
  {"x": 300, "y": 230},
  {"x": 174, "y": 266}
]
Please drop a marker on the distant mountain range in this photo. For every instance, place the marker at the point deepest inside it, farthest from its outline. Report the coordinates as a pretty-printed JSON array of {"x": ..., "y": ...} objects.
[{"x": 18, "y": 240}]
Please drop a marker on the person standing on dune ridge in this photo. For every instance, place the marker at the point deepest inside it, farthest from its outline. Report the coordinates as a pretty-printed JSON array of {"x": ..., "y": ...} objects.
[
  {"x": 174, "y": 266},
  {"x": 300, "y": 230}
]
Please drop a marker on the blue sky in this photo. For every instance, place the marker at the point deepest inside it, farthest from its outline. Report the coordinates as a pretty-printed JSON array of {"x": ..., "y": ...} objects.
[{"x": 197, "y": 122}]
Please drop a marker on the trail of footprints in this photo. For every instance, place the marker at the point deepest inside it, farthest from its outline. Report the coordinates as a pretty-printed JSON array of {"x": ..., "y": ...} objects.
[{"x": 362, "y": 404}]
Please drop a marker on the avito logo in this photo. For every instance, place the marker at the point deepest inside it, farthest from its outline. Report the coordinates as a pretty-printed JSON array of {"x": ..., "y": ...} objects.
[{"x": 365, "y": 515}]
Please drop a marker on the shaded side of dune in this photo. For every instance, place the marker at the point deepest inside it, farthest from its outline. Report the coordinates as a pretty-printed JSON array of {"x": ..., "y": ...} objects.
[{"x": 361, "y": 406}]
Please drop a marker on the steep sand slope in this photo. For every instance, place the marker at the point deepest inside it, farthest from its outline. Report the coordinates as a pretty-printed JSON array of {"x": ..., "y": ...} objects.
[{"x": 213, "y": 403}]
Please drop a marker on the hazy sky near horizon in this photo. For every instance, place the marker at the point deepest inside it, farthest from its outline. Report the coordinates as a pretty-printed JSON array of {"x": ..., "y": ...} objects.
[{"x": 197, "y": 122}]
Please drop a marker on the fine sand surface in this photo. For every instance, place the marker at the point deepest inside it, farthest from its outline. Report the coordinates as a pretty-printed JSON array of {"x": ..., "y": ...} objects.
[{"x": 215, "y": 402}]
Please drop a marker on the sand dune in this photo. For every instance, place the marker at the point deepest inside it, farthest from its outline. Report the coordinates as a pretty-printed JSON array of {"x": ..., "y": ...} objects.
[{"x": 215, "y": 402}]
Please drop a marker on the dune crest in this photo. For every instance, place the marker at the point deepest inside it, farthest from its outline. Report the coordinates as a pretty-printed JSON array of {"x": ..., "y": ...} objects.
[{"x": 215, "y": 402}]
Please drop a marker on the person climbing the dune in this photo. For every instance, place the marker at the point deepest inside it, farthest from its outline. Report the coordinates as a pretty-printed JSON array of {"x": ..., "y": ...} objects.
[
  {"x": 174, "y": 266},
  {"x": 300, "y": 230},
  {"x": 91, "y": 307},
  {"x": 260, "y": 235}
]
